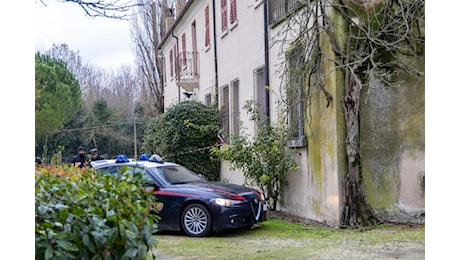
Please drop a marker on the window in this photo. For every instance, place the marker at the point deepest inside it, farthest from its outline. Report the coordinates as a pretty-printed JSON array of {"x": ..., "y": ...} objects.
[
  {"x": 233, "y": 12},
  {"x": 111, "y": 170},
  {"x": 261, "y": 93},
  {"x": 207, "y": 35},
  {"x": 175, "y": 60},
  {"x": 235, "y": 108},
  {"x": 279, "y": 9},
  {"x": 176, "y": 174},
  {"x": 223, "y": 9},
  {"x": 171, "y": 62},
  {"x": 224, "y": 111},
  {"x": 207, "y": 100},
  {"x": 118, "y": 170},
  {"x": 184, "y": 51},
  {"x": 230, "y": 109},
  {"x": 194, "y": 51},
  {"x": 163, "y": 61},
  {"x": 295, "y": 96}
]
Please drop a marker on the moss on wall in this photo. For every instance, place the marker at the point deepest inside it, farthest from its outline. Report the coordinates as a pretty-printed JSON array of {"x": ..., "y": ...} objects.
[
  {"x": 326, "y": 130},
  {"x": 317, "y": 206},
  {"x": 321, "y": 131},
  {"x": 392, "y": 122}
]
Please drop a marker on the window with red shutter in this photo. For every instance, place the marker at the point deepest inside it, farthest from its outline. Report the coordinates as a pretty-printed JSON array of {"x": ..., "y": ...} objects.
[
  {"x": 207, "y": 35},
  {"x": 223, "y": 5},
  {"x": 233, "y": 12},
  {"x": 175, "y": 60}
]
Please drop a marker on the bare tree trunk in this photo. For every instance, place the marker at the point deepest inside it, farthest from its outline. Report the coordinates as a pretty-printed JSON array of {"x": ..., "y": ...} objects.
[
  {"x": 146, "y": 31},
  {"x": 356, "y": 211}
]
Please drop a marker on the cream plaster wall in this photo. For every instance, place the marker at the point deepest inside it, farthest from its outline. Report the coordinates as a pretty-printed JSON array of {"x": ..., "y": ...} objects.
[{"x": 314, "y": 191}]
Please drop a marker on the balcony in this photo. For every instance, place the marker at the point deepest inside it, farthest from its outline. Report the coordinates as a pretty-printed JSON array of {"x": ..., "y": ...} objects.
[
  {"x": 188, "y": 70},
  {"x": 279, "y": 9}
]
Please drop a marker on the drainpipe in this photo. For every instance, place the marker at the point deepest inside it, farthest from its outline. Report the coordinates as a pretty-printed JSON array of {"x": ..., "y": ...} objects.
[
  {"x": 215, "y": 51},
  {"x": 266, "y": 74},
  {"x": 176, "y": 63}
]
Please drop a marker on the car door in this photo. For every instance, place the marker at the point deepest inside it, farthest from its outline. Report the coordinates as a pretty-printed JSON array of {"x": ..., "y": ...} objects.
[{"x": 169, "y": 204}]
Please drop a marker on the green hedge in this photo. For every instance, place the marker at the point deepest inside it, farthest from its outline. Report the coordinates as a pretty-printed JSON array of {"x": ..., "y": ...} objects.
[
  {"x": 82, "y": 215},
  {"x": 184, "y": 135}
]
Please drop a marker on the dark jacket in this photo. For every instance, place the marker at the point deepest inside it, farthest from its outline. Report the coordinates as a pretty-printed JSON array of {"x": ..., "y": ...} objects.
[
  {"x": 98, "y": 157},
  {"x": 80, "y": 161}
]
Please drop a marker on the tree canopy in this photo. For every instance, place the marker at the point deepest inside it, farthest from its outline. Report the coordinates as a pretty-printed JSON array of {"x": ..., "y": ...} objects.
[{"x": 57, "y": 95}]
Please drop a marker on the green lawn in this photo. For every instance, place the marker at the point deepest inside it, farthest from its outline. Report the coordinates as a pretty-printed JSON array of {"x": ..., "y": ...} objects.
[{"x": 279, "y": 238}]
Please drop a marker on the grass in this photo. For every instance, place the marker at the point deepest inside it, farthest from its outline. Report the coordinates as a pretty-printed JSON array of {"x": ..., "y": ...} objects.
[{"x": 281, "y": 238}]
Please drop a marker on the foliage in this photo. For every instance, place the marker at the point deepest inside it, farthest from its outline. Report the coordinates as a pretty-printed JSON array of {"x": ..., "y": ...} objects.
[
  {"x": 110, "y": 138},
  {"x": 264, "y": 159},
  {"x": 184, "y": 135},
  {"x": 57, "y": 95},
  {"x": 82, "y": 215},
  {"x": 106, "y": 119}
]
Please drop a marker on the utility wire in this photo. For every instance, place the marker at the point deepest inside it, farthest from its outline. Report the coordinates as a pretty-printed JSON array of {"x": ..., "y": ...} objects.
[{"x": 95, "y": 127}]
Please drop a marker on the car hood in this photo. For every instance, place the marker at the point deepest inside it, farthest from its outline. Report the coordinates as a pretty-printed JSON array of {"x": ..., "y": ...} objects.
[{"x": 227, "y": 190}]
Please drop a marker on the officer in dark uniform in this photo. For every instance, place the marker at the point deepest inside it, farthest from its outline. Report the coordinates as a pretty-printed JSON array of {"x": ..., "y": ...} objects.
[
  {"x": 80, "y": 160},
  {"x": 95, "y": 155}
]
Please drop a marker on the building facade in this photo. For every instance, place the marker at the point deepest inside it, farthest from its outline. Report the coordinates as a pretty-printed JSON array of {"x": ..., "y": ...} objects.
[{"x": 226, "y": 52}]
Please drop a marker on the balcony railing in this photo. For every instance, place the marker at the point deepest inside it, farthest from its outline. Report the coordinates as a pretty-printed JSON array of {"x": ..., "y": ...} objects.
[
  {"x": 278, "y": 9},
  {"x": 189, "y": 70}
]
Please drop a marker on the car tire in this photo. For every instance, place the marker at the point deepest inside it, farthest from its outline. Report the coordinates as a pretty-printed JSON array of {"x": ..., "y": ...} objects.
[{"x": 196, "y": 220}]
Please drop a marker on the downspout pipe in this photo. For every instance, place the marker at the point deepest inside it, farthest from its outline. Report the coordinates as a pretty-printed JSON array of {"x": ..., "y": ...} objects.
[
  {"x": 216, "y": 79},
  {"x": 176, "y": 64},
  {"x": 266, "y": 58}
]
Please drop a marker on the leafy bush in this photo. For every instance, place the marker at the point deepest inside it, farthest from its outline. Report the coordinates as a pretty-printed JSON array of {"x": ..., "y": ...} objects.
[
  {"x": 184, "y": 135},
  {"x": 264, "y": 159},
  {"x": 82, "y": 215}
]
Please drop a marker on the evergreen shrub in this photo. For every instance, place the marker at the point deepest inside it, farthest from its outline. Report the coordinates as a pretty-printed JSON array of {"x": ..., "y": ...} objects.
[{"x": 82, "y": 215}]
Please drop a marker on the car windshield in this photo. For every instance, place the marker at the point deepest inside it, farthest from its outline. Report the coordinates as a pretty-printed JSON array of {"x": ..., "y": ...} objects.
[{"x": 176, "y": 174}]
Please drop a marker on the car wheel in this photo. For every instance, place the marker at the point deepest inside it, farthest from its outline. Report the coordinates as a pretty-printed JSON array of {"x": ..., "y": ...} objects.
[{"x": 196, "y": 220}]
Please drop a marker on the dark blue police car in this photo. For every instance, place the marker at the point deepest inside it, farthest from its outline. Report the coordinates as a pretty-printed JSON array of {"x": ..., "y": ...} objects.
[{"x": 187, "y": 202}]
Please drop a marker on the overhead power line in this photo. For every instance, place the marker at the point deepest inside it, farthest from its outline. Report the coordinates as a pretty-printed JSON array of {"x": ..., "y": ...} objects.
[{"x": 96, "y": 127}]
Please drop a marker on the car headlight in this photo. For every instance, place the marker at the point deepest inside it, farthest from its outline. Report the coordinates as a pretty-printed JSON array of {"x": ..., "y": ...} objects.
[{"x": 227, "y": 202}]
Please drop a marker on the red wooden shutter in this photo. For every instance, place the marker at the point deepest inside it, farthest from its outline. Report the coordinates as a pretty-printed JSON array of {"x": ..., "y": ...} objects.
[
  {"x": 207, "y": 38},
  {"x": 223, "y": 5},
  {"x": 175, "y": 60},
  {"x": 233, "y": 13}
]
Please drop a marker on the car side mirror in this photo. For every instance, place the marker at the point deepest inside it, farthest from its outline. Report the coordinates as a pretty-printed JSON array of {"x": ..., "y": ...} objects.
[{"x": 202, "y": 177}]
